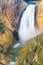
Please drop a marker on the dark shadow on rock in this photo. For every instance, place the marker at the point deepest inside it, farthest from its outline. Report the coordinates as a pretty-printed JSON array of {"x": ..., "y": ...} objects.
[{"x": 16, "y": 36}]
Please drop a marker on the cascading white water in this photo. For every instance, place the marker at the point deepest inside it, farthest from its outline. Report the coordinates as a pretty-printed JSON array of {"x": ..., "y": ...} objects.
[{"x": 27, "y": 28}]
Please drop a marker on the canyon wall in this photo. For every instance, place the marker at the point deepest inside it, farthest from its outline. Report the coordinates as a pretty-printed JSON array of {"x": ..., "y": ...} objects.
[{"x": 10, "y": 11}]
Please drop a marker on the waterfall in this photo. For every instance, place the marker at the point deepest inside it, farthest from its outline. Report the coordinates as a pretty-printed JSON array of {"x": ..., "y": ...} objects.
[{"x": 27, "y": 28}]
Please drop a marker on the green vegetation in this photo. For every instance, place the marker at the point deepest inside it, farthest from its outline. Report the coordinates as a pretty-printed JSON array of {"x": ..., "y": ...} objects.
[
  {"x": 1, "y": 49},
  {"x": 32, "y": 52},
  {"x": 2, "y": 28}
]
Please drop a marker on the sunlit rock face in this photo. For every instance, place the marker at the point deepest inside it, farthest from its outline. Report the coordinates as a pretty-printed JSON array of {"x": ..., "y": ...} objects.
[
  {"x": 6, "y": 40},
  {"x": 39, "y": 17},
  {"x": 6, "y": 37},
  {"x": 10, "y": 11}
]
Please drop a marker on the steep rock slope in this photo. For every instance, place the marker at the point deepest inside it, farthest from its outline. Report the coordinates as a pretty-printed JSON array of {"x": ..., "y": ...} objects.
[
  {"x": 39, "y": 17},
  {"x": 10, "y": 11}
]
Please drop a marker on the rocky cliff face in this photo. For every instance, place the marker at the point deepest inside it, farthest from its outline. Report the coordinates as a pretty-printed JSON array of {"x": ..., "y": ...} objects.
[
  {"x": 10, "y": 11},
  {"x": 9, "y": 19},
  {"x": 39, "y": 17}
]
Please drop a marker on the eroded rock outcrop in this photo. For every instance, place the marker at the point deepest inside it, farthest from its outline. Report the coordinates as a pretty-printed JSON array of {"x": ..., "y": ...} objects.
[
  {"x": 10, "y": 11},
  {"x": 39, "y": 17}
]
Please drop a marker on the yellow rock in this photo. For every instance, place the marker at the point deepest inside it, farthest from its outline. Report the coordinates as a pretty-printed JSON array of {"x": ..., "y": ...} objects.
[
  {"x": 6, "y": 39},
  {"x": 39, "y": 17}
]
